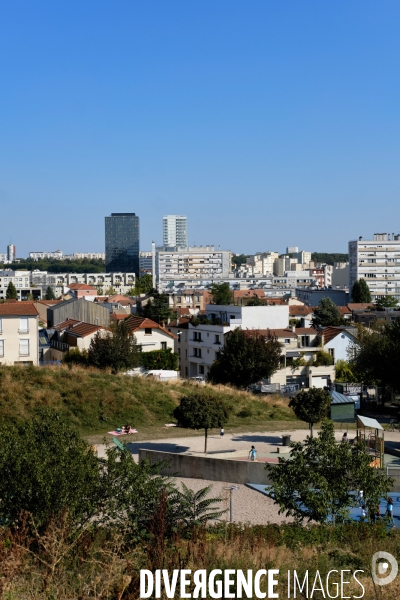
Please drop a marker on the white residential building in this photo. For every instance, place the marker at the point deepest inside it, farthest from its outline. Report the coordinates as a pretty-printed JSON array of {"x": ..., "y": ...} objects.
[
  {"x": 199, "y": 264},
  {"x": 19, "y": 334},
  {"x": 262, "y": 263},
  {"x": 60, "y": 282},
  {"x": 20, "y": 279},
  {"x": 146, "y": 263},
  {"x": 175, "y": 231},
  {"x": 149, "y": 334},
  {"x": 86, "y": 255},
  {"x": 378, "y": 262},
  {"x": 198, "y": 345},
  {"x": 57, "y": 255}
]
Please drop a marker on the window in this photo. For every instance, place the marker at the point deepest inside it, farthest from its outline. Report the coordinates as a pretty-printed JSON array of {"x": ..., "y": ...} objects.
[
  {"x": 147, "y": 331},
  {"x": 24, "y": 347},
  {"x": 287, "y": 340},
  {"x": 186, "y": 371},
  {"x": 163, "y": 345},
  {"x": 185, "y": 353},
  {"x": 197, "y": 336},
  {"x": 305, "y": 340},
  {"x": 1, "y": 347},
  {"x": 217, "y": 339},
  {"x": 201, "y": 370},
  {"x": 1, "y": 325},
  {"x": 23, "y": 325},
  {"x": 197, "y": 352},
  {"x": 179, "y": 352},
  {"x": 178, "y": 299},
  {"x": 232, "y": 317}
]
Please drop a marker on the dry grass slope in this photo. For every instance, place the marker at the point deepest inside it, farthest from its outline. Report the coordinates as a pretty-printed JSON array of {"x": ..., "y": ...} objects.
[{"x": 96, "y": 401}]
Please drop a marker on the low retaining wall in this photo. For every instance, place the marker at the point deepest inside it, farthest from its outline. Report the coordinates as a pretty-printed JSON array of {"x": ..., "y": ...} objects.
[{"x": 213, "y": 469}]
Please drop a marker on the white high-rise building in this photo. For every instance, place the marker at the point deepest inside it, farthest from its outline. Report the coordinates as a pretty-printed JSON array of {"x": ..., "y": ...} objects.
[
  {"x": 11, "y": 253},
  {"x": 175, "y": 231},
  {"x": 378, "y": 262}
]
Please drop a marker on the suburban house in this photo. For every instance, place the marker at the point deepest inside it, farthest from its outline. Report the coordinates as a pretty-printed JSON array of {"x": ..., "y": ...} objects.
[
  {"x": 82, "y": 290},
  {"x": 19, "y": 337},
  {"x": 300, "y": 347},
  {"x": 70, "y": 334},
  {"x": 338, "y": 341},
  {"x": 149, "y": 334}
]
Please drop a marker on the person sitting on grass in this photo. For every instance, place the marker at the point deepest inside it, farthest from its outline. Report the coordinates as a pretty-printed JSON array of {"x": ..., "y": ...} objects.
[{"x": 126, "y": 429}]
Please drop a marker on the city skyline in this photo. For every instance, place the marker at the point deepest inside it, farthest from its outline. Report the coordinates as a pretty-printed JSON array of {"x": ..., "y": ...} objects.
[{"x": 259, "y": 122}]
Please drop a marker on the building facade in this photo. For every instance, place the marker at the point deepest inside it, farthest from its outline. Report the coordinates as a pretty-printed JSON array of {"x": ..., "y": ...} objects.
[
  {"x": 378, "y": 262},
  {"x": 19, "y": 334},
  {"x": 120, "y": 283},
  {"x": 122, "y": 242},
  {"x": 175, "y": 231},
  {"x": 201, "y": 264},
  {"x": 21, "y": 281},
  {"x": 11, "y": 253},
  {"x": 57, "y": 255}
]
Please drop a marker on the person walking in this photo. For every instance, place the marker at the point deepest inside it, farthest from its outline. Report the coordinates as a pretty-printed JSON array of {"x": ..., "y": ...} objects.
[
  {"x": 360, "y": 498},
  {"x": 253, "y": 454},
  {"x": 222, "y": 433},
  {"x": 389, "y": 511}
]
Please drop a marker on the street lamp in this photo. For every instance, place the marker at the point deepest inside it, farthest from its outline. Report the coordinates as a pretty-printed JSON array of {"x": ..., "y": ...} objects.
[{"x": 231, "y": 490}]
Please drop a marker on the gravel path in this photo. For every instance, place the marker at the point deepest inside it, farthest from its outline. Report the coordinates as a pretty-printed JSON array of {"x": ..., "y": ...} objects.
[{"x": 249, "y": 506}]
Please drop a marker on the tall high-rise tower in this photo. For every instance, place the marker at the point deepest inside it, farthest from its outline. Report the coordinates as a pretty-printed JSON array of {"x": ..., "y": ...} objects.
[
  {"x": 11, "y": 253},
  {"x": 122, "y": 243},
  {"x": 175, "y": 231}
]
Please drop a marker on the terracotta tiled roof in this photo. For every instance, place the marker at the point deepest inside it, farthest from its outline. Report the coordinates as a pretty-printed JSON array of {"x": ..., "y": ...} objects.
[
  {"x": 49, "y": 302},
  {"x": 360, "y": 305},
  {"x": 329, "y": 333},
  {"x": 306, "y": 331},
  {"x": 80, "y": 286},
  {"x": 22, "y": 309},
  {"x": 279, "y": 333},
  {"x": 118, "y": 317},
  {"x": 299, "y": 311},
  {"x": 134, "y": 323},
  {"x": 78, "y": 328},
  {"x": 181, "y": 323},
  {"x": 123, "y": 300},
  {"x": 344, "y": 310}
]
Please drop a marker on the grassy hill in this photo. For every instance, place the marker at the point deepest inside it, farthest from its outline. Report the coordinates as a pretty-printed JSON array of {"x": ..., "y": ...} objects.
[{"x": 96, "y": 402}]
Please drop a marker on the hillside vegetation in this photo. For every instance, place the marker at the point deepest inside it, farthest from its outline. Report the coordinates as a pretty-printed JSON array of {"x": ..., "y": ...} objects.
[{"x": 96, "y": 402}]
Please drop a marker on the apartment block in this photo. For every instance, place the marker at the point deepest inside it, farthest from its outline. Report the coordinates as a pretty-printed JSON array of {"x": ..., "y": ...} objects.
[
  {"x": 175, "y": 231},
  {"x": 203, "y": 264},
  {"x": 378, "y": 262},
  {"x": 61, "y": 282},
  {"x": 56, "y": 254},
  {"x": 21, "y": 281}
]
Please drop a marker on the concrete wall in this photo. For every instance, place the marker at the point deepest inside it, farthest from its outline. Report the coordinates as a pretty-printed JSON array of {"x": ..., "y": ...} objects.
[{"x": 214, "y": 469}]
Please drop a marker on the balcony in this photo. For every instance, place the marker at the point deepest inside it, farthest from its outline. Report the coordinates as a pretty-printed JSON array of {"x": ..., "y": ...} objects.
[
  {"x": 23, "y": 330},
  {"x": 59, "y": 346}
]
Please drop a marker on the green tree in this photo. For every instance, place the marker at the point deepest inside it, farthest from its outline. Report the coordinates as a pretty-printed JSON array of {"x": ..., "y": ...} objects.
[
  {"x": 246, "y": 357},
  {"x": 11, "y": 292},
  {"x": 327, "y": 314},
  {"x": 157, "y": 309},
  {"x": 110, "y": 291},
  {"x": 323, "y": 359},
  {"x": 47, "y": 468},
  {"x": 386, "y": 302},
  {"x": 144, "y": 285},
  {"x": 344, "y": 372},
  {"x": 159, "y": 359},
  {"x": 49, "y": 295},
  {"x": 311, "y": 406},
  {"x": 221, "y": 293},
  {"x": 360, "y": 291},
  {"x": 201, "y": 410},
  {"x": 116, "y": 349},
  {"x": 318, "y": 481},
  {"x": 255, "y": 301},
  {"x": 376, "y": 356}
]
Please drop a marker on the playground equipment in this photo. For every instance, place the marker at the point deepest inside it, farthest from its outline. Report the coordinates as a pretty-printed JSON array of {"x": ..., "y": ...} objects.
[{"x": 372, "y": 435}]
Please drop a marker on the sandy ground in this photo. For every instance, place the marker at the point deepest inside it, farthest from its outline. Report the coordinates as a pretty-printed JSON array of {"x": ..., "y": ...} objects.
[{"x": 249, "y": 506}]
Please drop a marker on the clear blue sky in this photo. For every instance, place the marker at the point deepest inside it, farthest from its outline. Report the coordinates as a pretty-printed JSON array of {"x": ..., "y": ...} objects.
[{"x": 266, "y": 122}]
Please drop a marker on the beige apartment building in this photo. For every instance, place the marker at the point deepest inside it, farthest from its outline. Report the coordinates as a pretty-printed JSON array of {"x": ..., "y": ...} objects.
[{"x": 19, "y": 334}]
